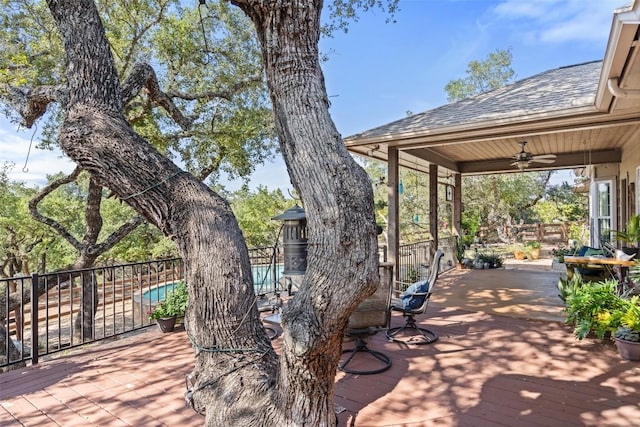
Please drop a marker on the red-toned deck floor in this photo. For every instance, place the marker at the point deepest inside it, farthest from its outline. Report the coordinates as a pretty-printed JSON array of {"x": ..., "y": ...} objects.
[{"x": 485, "y": 370}]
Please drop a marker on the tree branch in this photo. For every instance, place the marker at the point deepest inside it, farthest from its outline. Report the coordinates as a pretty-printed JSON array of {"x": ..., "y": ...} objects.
[
  {"x": 143, "y": 76},
  {"x": 48, "y": 189},
  {"x": 118, "y": 235},
  {"x": 32, "y": 103},
  {"x": 225, "y": 94}
]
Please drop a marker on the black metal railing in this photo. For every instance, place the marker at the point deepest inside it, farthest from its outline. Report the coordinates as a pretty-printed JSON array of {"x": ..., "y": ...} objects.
[
  {"x": 58, "y": 311},
  {"x": 43, "y": 314}
]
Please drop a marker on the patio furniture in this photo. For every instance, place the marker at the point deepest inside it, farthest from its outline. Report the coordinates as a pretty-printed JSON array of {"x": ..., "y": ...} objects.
[
  {"x": 371, "y": 316},
  {"x": 415, "y": 301}
]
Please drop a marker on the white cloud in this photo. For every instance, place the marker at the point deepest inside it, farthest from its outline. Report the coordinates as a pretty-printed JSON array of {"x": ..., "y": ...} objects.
[
  {"x": 32, "y": 170},
  {"x": 557, "y": 21}
]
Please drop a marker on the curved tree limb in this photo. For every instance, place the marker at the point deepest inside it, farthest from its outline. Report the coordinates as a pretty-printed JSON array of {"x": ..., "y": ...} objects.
[
  {"x": 143, "y": 76},
  {"x": 32, "y": 103},
  {"x": 46, "y": 190},
  {"x": 225, "y": 94}
]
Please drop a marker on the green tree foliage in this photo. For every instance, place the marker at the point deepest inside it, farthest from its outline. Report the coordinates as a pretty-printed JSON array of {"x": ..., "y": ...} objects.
[
  {"x": 24, "y": 243},
  {"x": 203, "y": 102},
  {"x": 561, "y": 204},
  {"x": 482, "y": 76},
  {"x": 502, "y": 199},
  {"x": 255, "y": 210}
]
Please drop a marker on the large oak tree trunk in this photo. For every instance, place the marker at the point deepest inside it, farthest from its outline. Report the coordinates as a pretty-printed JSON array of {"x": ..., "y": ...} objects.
[
  {"x": 237, "y": 379},
  {"x": 338, "y": 200}
]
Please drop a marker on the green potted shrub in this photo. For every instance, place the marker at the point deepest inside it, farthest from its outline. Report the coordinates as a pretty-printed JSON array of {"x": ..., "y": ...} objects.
[
  {"x": 630, "y": 236},
  {"x": 532, "y": 250},
  {"x": 493, "y": 260},
  {"x": 627, "y": 336},
  {"x": 569, "y": 286},
  {"x": 595, "y": 308},
  {"x": 518, "y": 251},
  {"x": 460, "y": 251},
  {"x": 174, "y": 305}
]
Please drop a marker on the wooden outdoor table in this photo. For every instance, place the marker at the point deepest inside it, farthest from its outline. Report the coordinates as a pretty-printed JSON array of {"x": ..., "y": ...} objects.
[
  {"x": 607, "y": 263},
  {"x": 596, "y": 261}
]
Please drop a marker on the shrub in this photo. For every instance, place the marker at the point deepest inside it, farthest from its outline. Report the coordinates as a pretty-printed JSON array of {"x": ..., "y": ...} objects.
[
  {"x": 596, "y": 308},
  {"x": 175, "y": 304}
]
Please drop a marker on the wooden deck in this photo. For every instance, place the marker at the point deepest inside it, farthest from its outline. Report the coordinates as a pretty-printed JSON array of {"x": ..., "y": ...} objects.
[{"x": 494, "y": 367}]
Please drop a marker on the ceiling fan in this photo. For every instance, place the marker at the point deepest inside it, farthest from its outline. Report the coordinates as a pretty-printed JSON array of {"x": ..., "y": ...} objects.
[{"x": 523, "y": 159}]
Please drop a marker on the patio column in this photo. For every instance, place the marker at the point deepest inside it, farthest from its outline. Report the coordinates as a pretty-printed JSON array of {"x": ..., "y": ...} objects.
[
  {"x": 457, "y": 204},
  {"x": 433, "y": 206},
  {"x": 393, "y": 232}
]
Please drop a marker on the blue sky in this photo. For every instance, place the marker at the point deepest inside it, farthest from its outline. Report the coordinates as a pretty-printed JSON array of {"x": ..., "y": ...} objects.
[{"x": 377, "y": 71}]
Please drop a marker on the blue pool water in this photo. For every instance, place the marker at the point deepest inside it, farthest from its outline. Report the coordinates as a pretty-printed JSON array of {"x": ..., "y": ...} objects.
[
  {"x": 159, "y": 293},
  {"x": 262, "y": 280}
]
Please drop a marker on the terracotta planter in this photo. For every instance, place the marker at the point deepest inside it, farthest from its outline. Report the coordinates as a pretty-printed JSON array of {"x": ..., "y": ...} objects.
[
  {"x": 166, "y": 324},
  {"x": 519, "y": 255},
  {"x": 629, "y": 350},
  {"x": 534, "y": 253}
]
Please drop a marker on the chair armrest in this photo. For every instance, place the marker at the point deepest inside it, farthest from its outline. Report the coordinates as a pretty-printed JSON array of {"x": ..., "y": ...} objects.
[{"x": 417, "y": 294}]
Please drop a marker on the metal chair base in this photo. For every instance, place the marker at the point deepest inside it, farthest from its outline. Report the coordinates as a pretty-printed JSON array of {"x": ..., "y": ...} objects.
[
  {"x": 421, "y": 336},
  {"x": 361, "y": 346},
  {"x": 271, "y": 332}
]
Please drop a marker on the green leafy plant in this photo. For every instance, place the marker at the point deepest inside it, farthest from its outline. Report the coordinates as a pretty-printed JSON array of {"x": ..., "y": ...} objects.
[
  {"x": 631, "y": 233},
  {"x": 533, "y": 244},
  {"x": 596, "y": 308},
  {"x": 460, "y": 249},
  {"x": 532, "y": 249},
  {"x": 494, "y": 259},
  {"x": 175, "y": 304},
  {"x": 561, "y": 252},
  {"x": 518, "y": 250},
  {"x": 568, "y": 287},
  {"x": 627, "y": 334}
]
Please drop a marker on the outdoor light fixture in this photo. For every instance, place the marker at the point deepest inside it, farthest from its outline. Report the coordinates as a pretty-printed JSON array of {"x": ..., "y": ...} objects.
[
  {"x": 294, "y": 240},
  {"x": 522, "y": 164}
]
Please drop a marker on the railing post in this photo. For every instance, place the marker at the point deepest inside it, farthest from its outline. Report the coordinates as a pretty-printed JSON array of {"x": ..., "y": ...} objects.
[{"x": 34, "y": 318}]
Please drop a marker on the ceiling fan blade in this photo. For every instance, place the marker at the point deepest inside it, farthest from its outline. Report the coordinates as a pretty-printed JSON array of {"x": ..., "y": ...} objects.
[
  {"x": 538, "y": 160},
  {"x": 544, "y": 156}
]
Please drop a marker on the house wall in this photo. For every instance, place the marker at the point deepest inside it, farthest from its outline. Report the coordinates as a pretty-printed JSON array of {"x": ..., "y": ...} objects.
[
  {"x": 630, "y": 161},
  {"x": 627, "y": 188}
]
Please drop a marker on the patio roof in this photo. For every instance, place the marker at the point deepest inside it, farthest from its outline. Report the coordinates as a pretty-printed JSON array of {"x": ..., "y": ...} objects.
[{"x": 583, "y": 113}]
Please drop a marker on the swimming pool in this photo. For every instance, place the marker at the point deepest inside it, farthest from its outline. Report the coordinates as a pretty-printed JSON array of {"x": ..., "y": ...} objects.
[{"x": 158, "y": 293}]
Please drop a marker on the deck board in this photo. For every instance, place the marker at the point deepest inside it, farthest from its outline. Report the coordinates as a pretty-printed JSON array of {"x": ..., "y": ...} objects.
[{"x": 492, "y": 367}]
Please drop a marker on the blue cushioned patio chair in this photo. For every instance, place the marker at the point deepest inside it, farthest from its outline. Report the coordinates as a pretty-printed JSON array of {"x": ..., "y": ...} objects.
[{"x": 415, "y": 301}]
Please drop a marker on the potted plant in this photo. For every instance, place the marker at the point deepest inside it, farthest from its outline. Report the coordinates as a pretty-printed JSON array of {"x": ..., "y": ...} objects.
[
  {"x": 560, "y": 253},
  {"x": 569, "y": 286},
  {"x": 174, "y": 305},
  {"x": 630, "y": 236},
  {"x": 627, "y": 336},
  {"x": 532, "y": 250},
  {"x": 491, "y": 260},
  {"x": 460, "y": 252},
  {"x": 164, "y": 316},
  {"x": 518, "y": 251},
  {"x": 628, "y": 343},
  {"x": 594, "y": 307}
]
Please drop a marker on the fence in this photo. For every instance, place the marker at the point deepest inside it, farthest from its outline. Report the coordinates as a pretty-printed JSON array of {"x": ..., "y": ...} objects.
[
  {"x": 543, "y": 233},
  {"x": 415, "y": 259},
  {"x": 47, "y": 315}
]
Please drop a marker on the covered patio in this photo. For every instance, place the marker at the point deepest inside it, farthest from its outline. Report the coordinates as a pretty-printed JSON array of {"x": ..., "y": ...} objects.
[
  {"x": 581, "y": 116},
  {"x": 500, "y": 366}
]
